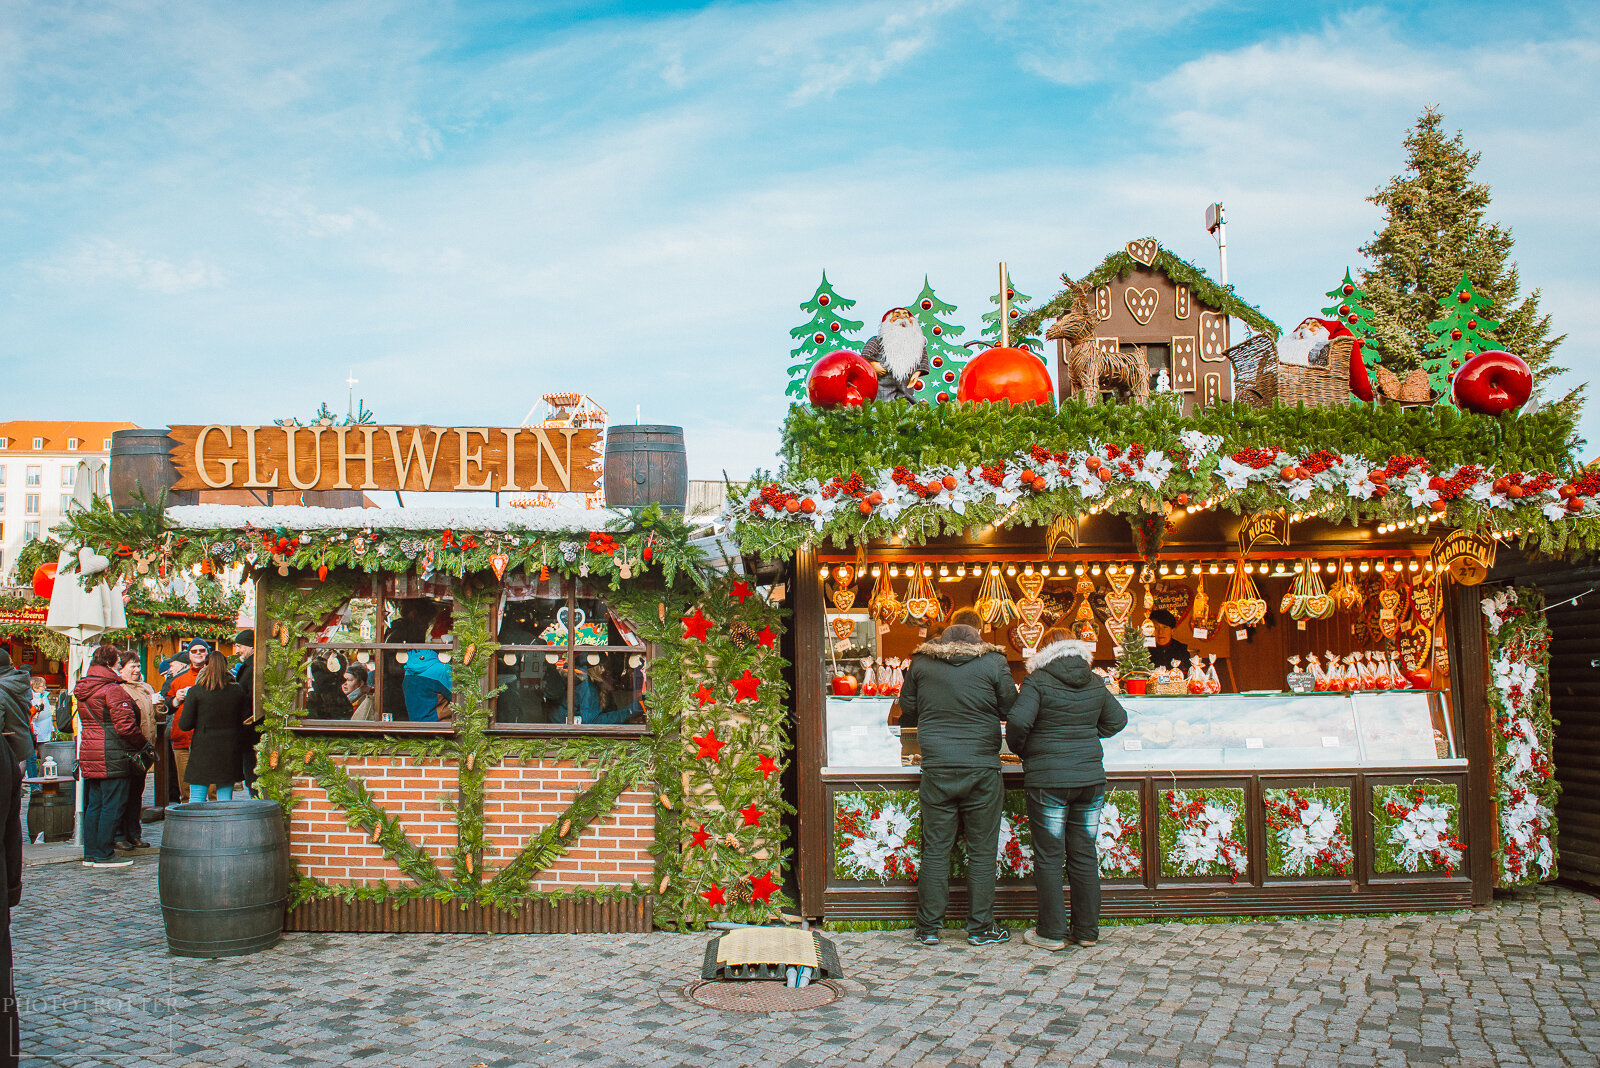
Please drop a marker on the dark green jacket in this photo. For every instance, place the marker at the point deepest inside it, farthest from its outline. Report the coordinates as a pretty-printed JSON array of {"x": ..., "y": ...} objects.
[
  {"x": 1060, "y": 716},
  {"x": 956, "y": 694}
]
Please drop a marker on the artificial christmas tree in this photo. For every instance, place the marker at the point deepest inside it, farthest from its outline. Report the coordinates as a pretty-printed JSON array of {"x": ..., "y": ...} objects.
[
  {"x": 945, "y": 357},
  {"x": 1460, "y": 334},
  {"x": 827, "y": 331},
  {"x": 1019, "y": 308},
  {"x": 1350, "y": 308}
]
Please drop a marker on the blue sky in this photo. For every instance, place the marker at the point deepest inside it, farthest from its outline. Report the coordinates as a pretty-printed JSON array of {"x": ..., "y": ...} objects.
[{"x": 214, "y": 212}]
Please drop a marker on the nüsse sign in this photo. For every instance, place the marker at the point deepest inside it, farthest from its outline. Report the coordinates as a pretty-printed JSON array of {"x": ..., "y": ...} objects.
[{"x": 415, "y": 458}]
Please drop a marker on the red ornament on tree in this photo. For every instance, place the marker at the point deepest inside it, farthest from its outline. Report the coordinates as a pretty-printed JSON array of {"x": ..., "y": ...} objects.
[
  {"x": 1344, "y": 309},
  {"x": 704, "y": 695},
  {"x": 767, "y": 765},
  {"x": 752, "y": 815},
  {"x": 842, "y": 380},
  {"x": 824, "y": 300},
  {"x": 762, "y": 887},
  {"x": 766, "y": 639},
  {"x": 44, "y": 580},
  {"x": 1347, "y": 289},
  {"x": 714, "y": 896},
  {"x": 700, "y": 837},
  {"x": 1006, "y": 373},
  {"x": 741, "y": 590},
  {"x": 745, "y": 686},
  {"x": 710, "y": 746},
  {"x": 696, "y": 625}
]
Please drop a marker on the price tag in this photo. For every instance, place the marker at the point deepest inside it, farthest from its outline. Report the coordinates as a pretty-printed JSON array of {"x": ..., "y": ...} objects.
[
  {"x": 860, "y": 730},
  {"x": 1300, "y": 624},
  {"x": 1329, "y": 743},
  {"x": 1254, "y": 743},
  {"x": 1241, "y": 635},
  {"x": 1201, "y": 633},
  {"x": 1132, "y": 744},
  {"x": 1116, "y": 651},
  {"x": 1149, "y": 643}
]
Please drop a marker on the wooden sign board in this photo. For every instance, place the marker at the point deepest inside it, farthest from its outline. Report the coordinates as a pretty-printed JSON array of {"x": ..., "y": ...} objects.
[
  {"x": 1258, "y": 527},
  {"x": 1466, "y": 557},
  {"x": 408, "y": 458},
  {"x": 27, "y": 615}
]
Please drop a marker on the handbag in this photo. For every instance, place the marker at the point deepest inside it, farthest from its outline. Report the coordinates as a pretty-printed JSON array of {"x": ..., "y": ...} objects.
[{"x": 146, "y": 757}]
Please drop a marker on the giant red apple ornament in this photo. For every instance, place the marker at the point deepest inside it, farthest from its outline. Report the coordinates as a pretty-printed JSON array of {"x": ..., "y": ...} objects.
[
  {"x": 1492, "y": 382},
  {"x": 842, "y": 380},
  {"x": 1006, "y": 374},
  {"x": 44, "y": 580}
]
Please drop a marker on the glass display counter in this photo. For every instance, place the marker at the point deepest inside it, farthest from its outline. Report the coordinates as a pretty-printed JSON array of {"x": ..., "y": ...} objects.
[{"x": 1224, "y": 732}]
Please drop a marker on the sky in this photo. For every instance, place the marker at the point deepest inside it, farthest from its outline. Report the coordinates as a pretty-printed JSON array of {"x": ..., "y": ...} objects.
[{"x": 218, "y": 212}]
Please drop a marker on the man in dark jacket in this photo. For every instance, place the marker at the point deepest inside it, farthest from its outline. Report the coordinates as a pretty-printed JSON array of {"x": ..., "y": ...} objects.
[
  {"x": 956, "y": 693},
  {"x": 15, "y": 700},
  {"x": 1056, "y": 725}
]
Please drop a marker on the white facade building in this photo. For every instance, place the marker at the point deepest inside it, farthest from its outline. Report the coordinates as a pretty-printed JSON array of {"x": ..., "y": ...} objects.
[{"x": 38, "y": 461}]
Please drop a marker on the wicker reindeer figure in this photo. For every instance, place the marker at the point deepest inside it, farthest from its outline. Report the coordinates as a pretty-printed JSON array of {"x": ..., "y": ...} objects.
[{"x": 1089, "y": 367}]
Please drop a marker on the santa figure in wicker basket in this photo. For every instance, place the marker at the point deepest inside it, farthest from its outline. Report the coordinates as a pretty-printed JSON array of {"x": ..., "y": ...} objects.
[
  {"x": 899, "y": 354},
  {"x": 1308, "y": 347}
]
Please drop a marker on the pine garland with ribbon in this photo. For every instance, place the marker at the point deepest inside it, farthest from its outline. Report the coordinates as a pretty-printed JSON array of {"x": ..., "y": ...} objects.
[{"x": 1526, "y": 789}]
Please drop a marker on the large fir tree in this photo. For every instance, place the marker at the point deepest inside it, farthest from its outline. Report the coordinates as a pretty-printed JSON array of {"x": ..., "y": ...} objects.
[{"x": 1434, "y": 233}]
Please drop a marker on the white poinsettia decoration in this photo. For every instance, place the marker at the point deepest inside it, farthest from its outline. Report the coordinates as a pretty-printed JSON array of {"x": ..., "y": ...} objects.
[
  {"x": 1424, "y": 838},
  {"x": 1117, "y": 841}
]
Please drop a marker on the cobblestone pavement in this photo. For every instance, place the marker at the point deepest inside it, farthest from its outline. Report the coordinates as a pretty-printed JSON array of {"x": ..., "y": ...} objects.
[{"x": 1515, "y": 984}]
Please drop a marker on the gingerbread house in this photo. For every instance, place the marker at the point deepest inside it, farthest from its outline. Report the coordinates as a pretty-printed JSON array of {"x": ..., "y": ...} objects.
[{"x": 1145, "y": 295}]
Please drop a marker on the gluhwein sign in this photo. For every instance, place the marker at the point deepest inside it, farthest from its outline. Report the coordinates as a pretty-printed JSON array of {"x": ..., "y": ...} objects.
[{"x": 410, "y": 458}]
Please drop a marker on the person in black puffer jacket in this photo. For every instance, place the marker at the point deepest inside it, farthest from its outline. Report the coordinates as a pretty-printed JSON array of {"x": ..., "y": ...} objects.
[
  {"x": 216, "y": 710},
  {"x": 1056, "y": 725},
  {"x": 956, "y": 693},
  {"x": 109, "y": 739}
]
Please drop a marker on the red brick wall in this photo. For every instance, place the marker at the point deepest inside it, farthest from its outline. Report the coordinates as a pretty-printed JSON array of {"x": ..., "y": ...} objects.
[{"x": 520, "y": 799}]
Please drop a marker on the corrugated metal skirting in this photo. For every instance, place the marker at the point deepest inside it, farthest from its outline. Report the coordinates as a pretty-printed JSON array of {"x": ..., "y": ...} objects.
[{"x": 573, "y": 916}]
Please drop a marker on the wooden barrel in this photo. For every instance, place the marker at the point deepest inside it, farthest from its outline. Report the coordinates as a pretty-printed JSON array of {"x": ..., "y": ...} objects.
[
  {"x": 646, "y": 465},
  {"x": 141, "y": 462},
  {"x": 224, "y": 877},
  {"x": 50, "y": 814},
  {"x": 66, "y": 754}
]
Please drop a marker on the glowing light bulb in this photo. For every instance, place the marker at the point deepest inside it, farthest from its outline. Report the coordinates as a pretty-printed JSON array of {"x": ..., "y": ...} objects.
[
  {"x": 1412, "y": 566},
  {"x": 1078, "y": 570},
  {"x": 1364, "y": 567},
  {"x": 894, "y": 572},
  {"x": 876, "y": 570}
]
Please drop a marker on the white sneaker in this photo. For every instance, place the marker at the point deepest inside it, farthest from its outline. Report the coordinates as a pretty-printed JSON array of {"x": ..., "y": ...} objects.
[
  {"x": 108, "y": 864},
  {"x": 1034, "y": 938}
]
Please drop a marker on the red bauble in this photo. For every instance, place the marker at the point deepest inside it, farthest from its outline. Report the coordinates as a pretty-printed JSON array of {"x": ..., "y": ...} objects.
[
  {"x": 1492, "y": 382},
  {"x": 1455, "y": 335},
  {"x": 824, "y": 301},
  {"x": 842, "y": 380},
  {"x": 938, "y": 330},
  {"x": 1419, "y": 678},
  {"x": 926, "y": 304},
  {"x": 844, "y": 685},
  {"x": 1344, "y": 309},
  {"x": 1006, "y": 374},
  {"x": 1348, "y": 289},
  {"x": 44, "y": 580}
]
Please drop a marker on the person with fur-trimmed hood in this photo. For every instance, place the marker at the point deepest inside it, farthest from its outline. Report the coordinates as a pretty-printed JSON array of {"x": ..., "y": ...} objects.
[
  {"x": 1056, "y": 725},
  {"x": 956, "y": 693}
]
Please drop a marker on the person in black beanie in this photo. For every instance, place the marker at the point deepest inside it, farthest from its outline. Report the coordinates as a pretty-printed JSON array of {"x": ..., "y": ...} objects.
[
  {"x": 244, "y": 673},
  {"x": 14, "y": 686},
  {"x": 1169, "y": 651}
]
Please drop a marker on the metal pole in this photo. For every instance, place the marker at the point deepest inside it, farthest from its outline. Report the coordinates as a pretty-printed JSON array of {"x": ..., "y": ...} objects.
[{"x": 1005, "y": 308}]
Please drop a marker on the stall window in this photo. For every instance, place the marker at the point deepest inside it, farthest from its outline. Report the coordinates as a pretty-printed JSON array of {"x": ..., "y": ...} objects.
[
  {"x": 567, "y": 657},
  {"x": 384, "y": 655}
]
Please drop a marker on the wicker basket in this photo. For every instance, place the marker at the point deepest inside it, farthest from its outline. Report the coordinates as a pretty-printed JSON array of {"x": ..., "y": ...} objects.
[
  {"x": 1168, "y": 687},
  {"x": 1262, "y": 380}
]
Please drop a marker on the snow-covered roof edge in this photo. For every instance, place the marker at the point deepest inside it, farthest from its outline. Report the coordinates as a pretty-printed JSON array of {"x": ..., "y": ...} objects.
[{"x": 298, "y": 517}]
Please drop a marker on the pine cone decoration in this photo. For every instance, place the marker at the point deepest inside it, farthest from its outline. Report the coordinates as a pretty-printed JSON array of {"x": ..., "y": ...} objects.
[{"x": 741, "y": 895}]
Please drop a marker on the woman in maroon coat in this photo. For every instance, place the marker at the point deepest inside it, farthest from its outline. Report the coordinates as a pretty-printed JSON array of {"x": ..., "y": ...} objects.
[{"x": 109, "y": 739}]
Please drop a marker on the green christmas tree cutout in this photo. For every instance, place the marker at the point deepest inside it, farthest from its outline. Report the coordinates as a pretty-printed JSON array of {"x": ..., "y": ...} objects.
[
  {"x": 1350, "y": 308},
  {"x": 827, "y": 331},
  {"x": 945, "y": 357},
  {"x": 1019, "y": 308},
  {"x": 1462, "y": 333}
]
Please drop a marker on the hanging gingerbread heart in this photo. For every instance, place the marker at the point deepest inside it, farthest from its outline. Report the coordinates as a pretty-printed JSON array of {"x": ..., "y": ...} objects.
[
  {"x": 498, "y": 561},
  {"x": 844, "y": 574},
  {"x": 843, "y": 627},
  {"x": 844, "y": 599},
  {"x": 1144, "y": 250},
  {"x": 1030, "y": 611},
  {"x": 1029, "y": 634},
  {"x": 1030, "y": 585}
]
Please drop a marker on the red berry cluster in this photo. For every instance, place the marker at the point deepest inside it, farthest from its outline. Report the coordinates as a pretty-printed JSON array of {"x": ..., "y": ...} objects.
[
  {"x": 281, "y": 546},
  {"x": 1399, "y": 465},
  {"x": 1136, "y": 452},
  {"x": 1456, "y": 486},
  {"x": 1113, "y": 451},
  {"x": 1257, "y": 458},
  {"x": 994, "y": 474},
  {"x": 904, "y": 476},
  {"x": 850, "y": 487},
  {"x": 1320, "y": 461},
  {"x": 774, "y": 497}
]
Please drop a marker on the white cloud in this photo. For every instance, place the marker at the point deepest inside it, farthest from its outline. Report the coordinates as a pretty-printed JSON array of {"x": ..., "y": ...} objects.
[{"x": 102, "y": 261}]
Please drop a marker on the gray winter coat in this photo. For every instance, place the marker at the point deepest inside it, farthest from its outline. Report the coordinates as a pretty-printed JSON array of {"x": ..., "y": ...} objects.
[
  {"x": 1060, "y": 716},
  {"x": 16, "y": 711},
  {"x": 957, "y": 694}
]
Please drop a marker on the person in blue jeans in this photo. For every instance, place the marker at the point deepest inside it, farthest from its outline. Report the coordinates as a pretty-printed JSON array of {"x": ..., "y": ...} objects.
[{"x": 1062, "y": 712}]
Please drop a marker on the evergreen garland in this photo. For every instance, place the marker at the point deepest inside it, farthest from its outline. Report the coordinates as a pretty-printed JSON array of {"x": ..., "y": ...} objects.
[{"x": 1526, "y": 789}]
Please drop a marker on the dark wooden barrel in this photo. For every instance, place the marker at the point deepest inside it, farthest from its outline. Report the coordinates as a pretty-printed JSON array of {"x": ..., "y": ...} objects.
[
  {"x": 224, "y": 877},
  {"x": 66, "y": 754},
  {"x": 350, "y": 498},
  {"x": 141, "y": 461},
  {"x": 646, "y": 465},
  {"x": 50, "y": 814}
]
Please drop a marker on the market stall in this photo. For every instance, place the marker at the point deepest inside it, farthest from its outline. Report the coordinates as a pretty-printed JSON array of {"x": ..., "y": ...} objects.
[{"x": 1351, "y": 727}]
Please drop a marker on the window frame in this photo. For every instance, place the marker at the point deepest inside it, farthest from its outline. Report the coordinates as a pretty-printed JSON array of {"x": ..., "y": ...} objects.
[
  {"x": 34, "y": 477},
  {"x": 31, "y": 503},
  {"x": 30, "y": 531},
  {"x": 69, "y": 476}
]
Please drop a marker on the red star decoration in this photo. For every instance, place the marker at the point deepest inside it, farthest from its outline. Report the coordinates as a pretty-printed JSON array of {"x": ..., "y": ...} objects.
[
  {"x": 752, "y": 815},
  {"x": 766, "y": 639},
  {"x": 767, "y": 765},
  {"x": 714, "y": 896},
  {"x": 701, "y": 837},
  {"x": 741, "y": 590},
  {"x": 745, "y": 686},
  {"x": 704, "y": 695},
  {"x": 695, "y": 626},
  {"x": 762, "y": 887},
  {"x": 710, "y": 745}
]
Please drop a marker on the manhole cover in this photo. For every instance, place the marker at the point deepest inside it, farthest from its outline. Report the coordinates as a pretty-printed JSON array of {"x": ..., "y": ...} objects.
[{"x": 762, "y": 996}]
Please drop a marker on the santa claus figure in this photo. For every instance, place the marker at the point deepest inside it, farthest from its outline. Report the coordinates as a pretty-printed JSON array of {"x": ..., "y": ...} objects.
[
  {"x": 1308, "y": 347},
  {"x": 899, "y": 354}
]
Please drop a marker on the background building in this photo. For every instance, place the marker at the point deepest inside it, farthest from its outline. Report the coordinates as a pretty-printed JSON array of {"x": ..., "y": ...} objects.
[{"x": 38, "y": 459}]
